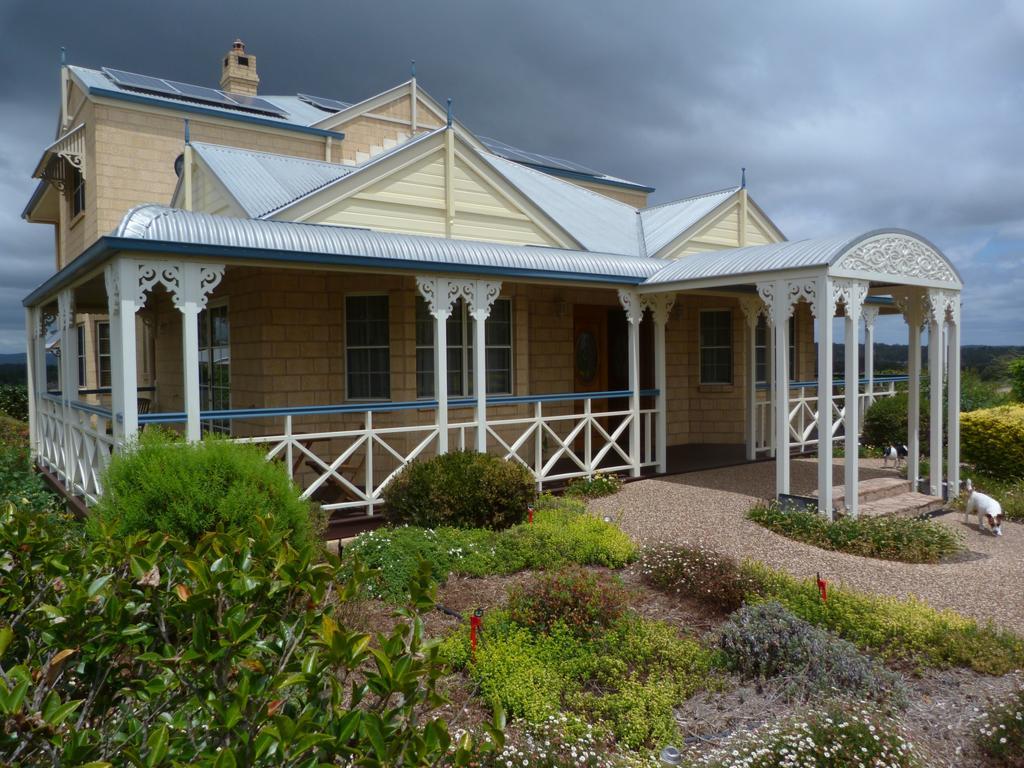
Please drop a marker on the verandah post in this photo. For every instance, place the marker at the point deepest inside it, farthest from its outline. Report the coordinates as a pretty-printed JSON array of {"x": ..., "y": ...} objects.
[
  {"x": 854, "y": 293},
  {"x": 936, "y": 320},
  {"x": 630, "y": 301},
  {"x": 480, "y": 294},
  {"x": 752, "y": 310},
  {"x": 870, "y": 315},
  {"x": 953, "y": 404},
  {"x": 824, "y": 312},
  {"x": 440, "y": 294},
  {"x": 779, "y": 305},
  {"x": 661, "y": 309},
  {"x": 32, "y": 333},
  {"x": 122, "y": 278}
]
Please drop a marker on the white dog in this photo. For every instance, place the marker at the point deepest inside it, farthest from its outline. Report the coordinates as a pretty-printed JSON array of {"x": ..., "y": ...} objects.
[
  {"x": 986, "y": 508},
  {"x": 897, "y": 453}
]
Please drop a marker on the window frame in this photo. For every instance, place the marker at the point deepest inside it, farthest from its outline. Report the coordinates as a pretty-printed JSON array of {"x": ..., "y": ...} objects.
[
  {"x": 214, "y": 426},
  {"x": 76, "y": 194},
  {"x": 762, "y": 325},
  {"x": 100, "y": 356},
  {"x": 465, "y": 349},
  {"x": 80, "y": 354},
  {"x": 348, "y": 367},
  {"x": 701, "y": 346}
]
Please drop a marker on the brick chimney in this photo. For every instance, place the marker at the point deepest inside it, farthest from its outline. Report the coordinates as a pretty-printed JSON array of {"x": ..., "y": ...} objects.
[{"x": 239, "y": 72}]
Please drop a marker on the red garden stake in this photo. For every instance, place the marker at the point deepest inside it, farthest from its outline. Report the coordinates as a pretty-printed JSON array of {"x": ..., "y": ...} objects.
[
  {"x": 822, "y": 588},
  {"x": 529, "y": 514},
  {"x": 475, "y": 624}
]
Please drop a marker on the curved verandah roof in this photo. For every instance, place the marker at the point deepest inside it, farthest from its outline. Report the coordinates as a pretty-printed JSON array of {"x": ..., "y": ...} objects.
[{"x": 894, "y": 257}]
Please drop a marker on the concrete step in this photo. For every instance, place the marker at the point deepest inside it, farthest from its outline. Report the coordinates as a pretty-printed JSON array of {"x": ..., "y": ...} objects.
[
  {"x": 908, "y": 504},
  {"x": 871, "y": 490}
]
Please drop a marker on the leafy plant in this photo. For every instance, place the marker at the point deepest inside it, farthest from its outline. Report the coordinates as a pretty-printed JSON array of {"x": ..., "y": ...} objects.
[
  {"x": 461, "y": 489},
  {"x": 1001, "y": 736},
  {"x": 765, "y": 641},
  {"x": 164, "y": 485},
  {"x": 578, "y": 600},
  {"x": 1016, "y": 371},
  {"x": 904, "y": 539},
  {"x": 906, "y": 630},
  {"x": 698, "y": 573},
  {"x": 993, "y": 440},
  {"x": 14, "y": 401},
  {"x": 886, "y": 422},
  {"x": 594, "y": 486},
  {"x": 561, "y": 534},
  {"x": 842, "y": 735},
  {"x": 559, "y": 742},
  {"x": 155, "y": 650},
  {"x": 19, "y": 483}
]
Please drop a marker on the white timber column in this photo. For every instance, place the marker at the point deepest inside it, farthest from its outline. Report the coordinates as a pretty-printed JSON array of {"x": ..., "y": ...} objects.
[
  {"x": 124, "y": 298},
  {"x": 854, "y": 292},
  {"x": 68, "y": 382},
  {"x": 870, "y": 315},
  {"x": 661, "y": 308},
  {"x": 190, "y": 285},
  {"x": 953, "y": 386},
  {"x": 630, "y": 301},
  {"x": 753, "y": 309},
  {"x": 936, "y": 321},
  {"x": 777, "y": 299},
  {"x": 32, "y": 334},
  {"x": 480, "y": 296},
  {"x": 440, "y": 294},
  {"x": 824, "y": 309},
  {"x": 770, "y": 353},
  {"x": 911, "y": 305}
]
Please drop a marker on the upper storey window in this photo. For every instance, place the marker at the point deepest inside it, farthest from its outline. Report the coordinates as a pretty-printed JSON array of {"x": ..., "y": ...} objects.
[{"x": 76, "y": 192}]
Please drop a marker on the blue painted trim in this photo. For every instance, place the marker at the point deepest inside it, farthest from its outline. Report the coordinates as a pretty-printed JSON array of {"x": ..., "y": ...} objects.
[
  {"x": 175, "y": 417},
  {"x": 840, "y": 382},
  {"x": 196, "y": 109},
  {"x": 87, "y": 407},
  {"x": 587, "y": 177}
]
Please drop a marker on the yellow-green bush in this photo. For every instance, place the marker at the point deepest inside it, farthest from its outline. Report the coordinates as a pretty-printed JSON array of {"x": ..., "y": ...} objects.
[{"x": 993, "y": 440}]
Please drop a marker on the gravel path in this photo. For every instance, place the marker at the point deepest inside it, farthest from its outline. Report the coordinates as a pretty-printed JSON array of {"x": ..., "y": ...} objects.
[{"x": 708, "y": 507}]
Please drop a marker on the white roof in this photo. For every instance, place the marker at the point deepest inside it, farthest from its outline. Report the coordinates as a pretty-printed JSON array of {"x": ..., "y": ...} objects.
[{"x": 664, "y": 223}]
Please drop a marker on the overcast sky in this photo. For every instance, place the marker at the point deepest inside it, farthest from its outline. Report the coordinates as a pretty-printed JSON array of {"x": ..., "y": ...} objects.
[{"x": 848, "y": 115}]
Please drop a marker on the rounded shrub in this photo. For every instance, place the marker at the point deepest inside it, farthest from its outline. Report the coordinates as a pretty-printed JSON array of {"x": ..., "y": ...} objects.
[
  {"x": 165, "y": 485},
  {"x": 574, "y": 598},
  {"x": 461, "y": 489},
  {"x": 697, "y": 573},
  {"x": 764, "y": 641},
  {"x": 886, "y": 421},
  {"x": 993, "y": 440}
]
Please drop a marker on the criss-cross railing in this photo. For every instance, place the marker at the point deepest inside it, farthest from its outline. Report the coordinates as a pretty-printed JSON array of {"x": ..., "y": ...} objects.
[
  {"x": 344, "y": 456},
  {"x": 75, "y": 443},
  {"x": 803, "y": 410}
]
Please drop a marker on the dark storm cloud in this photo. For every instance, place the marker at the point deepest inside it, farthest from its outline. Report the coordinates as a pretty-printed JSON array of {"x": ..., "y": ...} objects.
[{"x": 848, "y": 116}]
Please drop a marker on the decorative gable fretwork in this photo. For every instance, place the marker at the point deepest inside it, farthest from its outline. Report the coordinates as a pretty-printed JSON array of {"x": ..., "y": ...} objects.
[
  {"x": 67, "y": 151},
  {"x": 899, "y": 256}
]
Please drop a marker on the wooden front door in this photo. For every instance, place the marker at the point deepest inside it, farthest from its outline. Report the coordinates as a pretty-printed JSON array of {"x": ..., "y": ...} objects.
[{"x": 590, "y": 349}]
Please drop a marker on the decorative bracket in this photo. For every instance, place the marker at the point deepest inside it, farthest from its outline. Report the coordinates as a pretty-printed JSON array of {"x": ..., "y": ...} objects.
[
  {"x": 659, "y": 304},
  {"x": 870, "y": 314},
  {"x": 190, "y": 284},
  {"x": 940, "y": 305},
  {"x": 480, "y": 295},
  {"x": 753, "y": 309},
  {"x": 851, "y": 293},
  {"x": 631, "y": 302}
]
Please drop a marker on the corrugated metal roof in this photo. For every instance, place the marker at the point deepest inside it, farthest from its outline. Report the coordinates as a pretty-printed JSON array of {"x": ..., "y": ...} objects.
[
  {"x": 756, "y": 258},
  {"x": 598, "y": 222},
  {"x": 262, "y": 182},
  {"x": 664, "y": 223},
  {"x": 162, "y": 224}
]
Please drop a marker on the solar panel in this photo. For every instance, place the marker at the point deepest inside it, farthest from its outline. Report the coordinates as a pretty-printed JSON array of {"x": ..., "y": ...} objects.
[
  {"x": 328, "y": 105},
  {"x": 517, "y": 155},
  {"x": 187, "y": 91}
]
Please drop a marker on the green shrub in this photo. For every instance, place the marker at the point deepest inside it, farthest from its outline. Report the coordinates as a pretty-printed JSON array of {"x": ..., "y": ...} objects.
[
  {"x": 596, "y": 485},
  {"x": 626, "y": 679},
  {"x": 1016, "y": 370},
  {"x": 696, "y": 572},
  {"x": 976, "y": 393},
  {"x": 886, "y": 422},
  {"x": 1001, "y": 736},
  {"x": 838, "y": 737},
  {"x": 907, "y": 540},
  {"x": 905, "y": 630},
  {"x": 19, "y": 482},
  {"x": 462, "y": 489},
  {"x": 186, "y": 489},
  {"x": 765, "y": 641},
  {"x": 562, "y": 534},
  {"x": 559, "y": 742},
  {"x": 156, "y": 650},
  {"x": 14, "y": 401},
  {"x": 993, "y": 440},
  {"x": 582, "y": 602}
]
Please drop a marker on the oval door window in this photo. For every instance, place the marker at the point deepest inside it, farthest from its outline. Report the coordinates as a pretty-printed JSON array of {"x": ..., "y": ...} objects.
[{"x": 586, "y": 357}]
